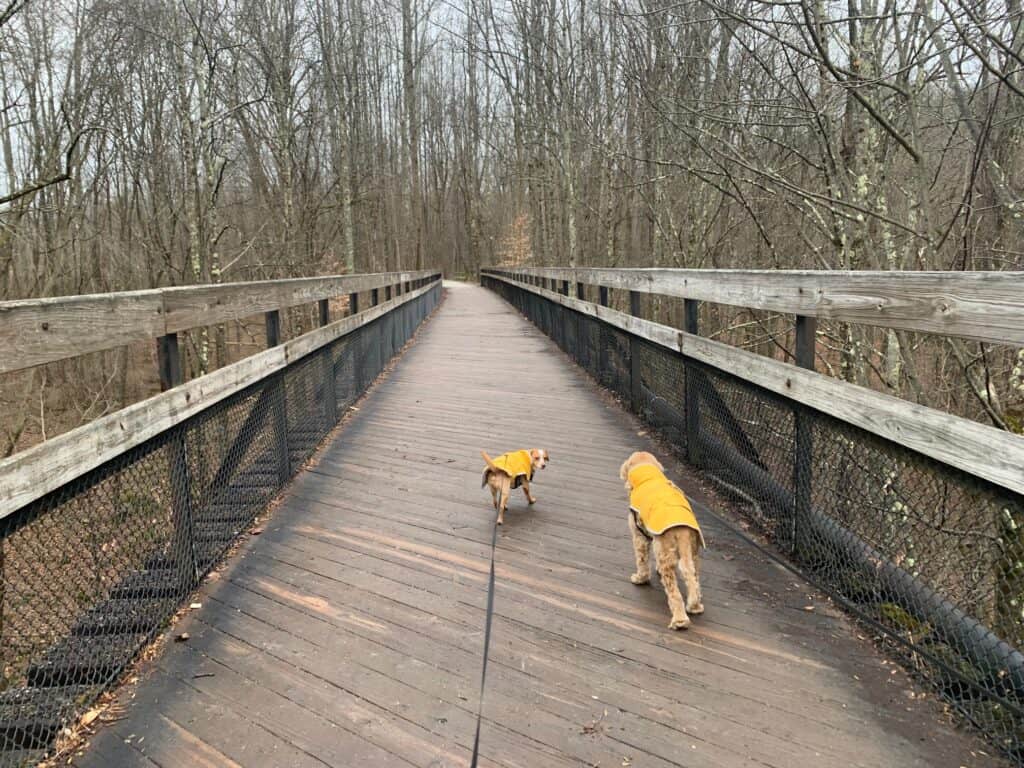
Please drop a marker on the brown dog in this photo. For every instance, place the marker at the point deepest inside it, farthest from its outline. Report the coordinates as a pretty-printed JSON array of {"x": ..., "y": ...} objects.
[
  {"x": 659, "y": 513},
  {"x": 509, "y": 471}
]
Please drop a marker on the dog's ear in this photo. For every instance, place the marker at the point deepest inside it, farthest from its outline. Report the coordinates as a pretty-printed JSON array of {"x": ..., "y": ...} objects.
[
  {"x": 624, "y": 471},
  {"x": 657, "y": 463}
]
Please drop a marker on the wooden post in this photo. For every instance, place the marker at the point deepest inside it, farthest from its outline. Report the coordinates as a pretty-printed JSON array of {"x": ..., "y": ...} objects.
[
  {"x": 273, "y": 319},
  {"x": 803, "y": 436},
  {"x": 691, "y": 325},
  {"x": 634, "y": 355},
  {"x": 183, "y": 545},
  {"x": 327, "y": 389},
  {"x": 280, "y": 407},
  {"x": 565, "y": 287},
  {"x": 387, "y": 293},
  {"x": 169, "y": 361},
  {"x": 375, "y": 297},
  {"x": 602, "y": 345},
  {"x": 582, "y": 353}
]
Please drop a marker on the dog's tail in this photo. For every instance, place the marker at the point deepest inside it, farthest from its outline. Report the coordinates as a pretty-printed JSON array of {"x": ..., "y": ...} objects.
[{"x": 491, "y": 467}]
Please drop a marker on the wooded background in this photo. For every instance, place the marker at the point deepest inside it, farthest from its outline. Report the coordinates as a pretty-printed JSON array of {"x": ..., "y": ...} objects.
[{"x": 159, "y": 142}]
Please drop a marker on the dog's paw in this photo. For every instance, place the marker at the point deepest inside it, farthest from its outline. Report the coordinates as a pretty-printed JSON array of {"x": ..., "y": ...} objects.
[
  {"x": 681, "y": 623},
  {"x": 696, "y": 609},
  {"x": 640, "y": 578},
  {"x": 532, "y": 500}
]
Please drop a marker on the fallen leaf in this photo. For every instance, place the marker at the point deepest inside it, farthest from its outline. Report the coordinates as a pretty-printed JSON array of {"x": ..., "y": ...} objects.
[
  {"x": 808, "y": 607},
  {"x": 256, "y": 531},
  {"x": 89, "y": 717},
  {"x": 184, "y": 636},
  {"x": 196, "y": 606}
]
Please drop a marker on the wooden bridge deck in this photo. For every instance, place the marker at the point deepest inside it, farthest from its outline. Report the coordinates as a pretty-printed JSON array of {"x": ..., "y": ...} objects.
[{"x": 349, "y": 632}]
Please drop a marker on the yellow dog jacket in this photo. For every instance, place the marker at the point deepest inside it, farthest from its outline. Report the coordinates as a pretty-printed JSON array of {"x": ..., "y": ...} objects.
[
  {"x": 657, "y": 505},
  {"x": 516, "y": 464}
]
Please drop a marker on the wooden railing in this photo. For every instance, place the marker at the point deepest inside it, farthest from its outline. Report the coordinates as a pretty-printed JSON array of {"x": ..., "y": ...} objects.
[
  {"x": 985, "y": 306},
  {"x": 39, "y": 331}
]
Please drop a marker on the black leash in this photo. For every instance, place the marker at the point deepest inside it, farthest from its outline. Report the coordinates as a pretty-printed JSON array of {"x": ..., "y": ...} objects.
[{"x": 487, "y": 645}]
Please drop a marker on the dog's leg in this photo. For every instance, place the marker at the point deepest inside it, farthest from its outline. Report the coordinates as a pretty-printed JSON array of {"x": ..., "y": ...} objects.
[
  {"x": 666, "y": 557},
  {"x": 503, "y": 504},
  {"x": 689, "y": 566},
  {"x": 526, "y": 489},
  {"x": 641, "y": 550}
]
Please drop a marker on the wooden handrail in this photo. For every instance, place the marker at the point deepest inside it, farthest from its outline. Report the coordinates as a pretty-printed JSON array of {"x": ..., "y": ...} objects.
[
  {"x": 984, "y": 306},
  {"x": 36, "y": 471},
  {"x": 977, "y": 449},
  {"x": 39, "y": 331}
]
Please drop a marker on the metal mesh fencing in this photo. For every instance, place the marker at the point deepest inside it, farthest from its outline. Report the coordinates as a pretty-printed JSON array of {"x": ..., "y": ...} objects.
[
  {"x": 90, "y": 573},
  {"x": 930, "y": 557}
]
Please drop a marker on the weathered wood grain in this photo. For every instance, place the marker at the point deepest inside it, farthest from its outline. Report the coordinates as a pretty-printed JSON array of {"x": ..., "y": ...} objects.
[
  {"x": 984, "y": 306},
  {"x": 980, "y": 450},
  {"x": 31, "y": 474},
  {"x": 218, "y": 303},
  {"x": 39, "y": 331}
]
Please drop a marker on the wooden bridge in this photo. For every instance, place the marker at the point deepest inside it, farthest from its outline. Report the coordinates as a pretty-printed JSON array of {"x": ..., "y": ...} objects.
[{"x": 345, "y": 626}]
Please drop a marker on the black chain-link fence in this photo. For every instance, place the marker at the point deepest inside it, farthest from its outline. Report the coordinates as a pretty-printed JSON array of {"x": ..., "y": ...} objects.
[
  {"x": 930, "y": 557},
  {"x": 91, "y": 572}
]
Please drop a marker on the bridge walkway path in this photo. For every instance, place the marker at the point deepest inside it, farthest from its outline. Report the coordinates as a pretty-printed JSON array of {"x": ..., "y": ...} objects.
[{"x": 349, "y": 632}]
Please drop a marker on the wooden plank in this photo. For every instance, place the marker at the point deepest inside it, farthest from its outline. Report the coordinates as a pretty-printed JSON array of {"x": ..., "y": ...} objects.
[
  {"x": 977, "y": 449},
  {"x": 33, "y": 473},
  {"x": 984, "y": 306},
  {"x": 39, "y": 331},
  {"x": 192, "y": 306}
]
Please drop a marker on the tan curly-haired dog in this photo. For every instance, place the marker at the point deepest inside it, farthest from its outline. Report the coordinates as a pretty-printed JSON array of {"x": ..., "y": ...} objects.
[{"x": 660, "y": 514}]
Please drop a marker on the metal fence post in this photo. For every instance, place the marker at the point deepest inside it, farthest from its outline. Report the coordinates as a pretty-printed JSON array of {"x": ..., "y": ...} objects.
[
  {"x": 803, "y": 437},
  {"x": 634, "y": 355},
  {"x": 691, "y": 325},
  {"x": 280, "y": 405},
  {"x": 183, "y": 545}
]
